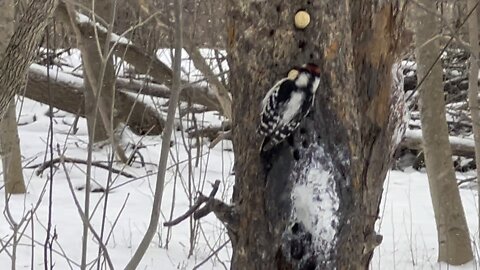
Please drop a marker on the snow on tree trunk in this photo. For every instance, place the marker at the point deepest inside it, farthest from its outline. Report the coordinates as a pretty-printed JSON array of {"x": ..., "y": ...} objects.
[{"x": 313, "y": 205}]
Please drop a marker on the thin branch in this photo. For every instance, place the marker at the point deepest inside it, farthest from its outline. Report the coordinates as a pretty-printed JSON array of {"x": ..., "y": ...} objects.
[
  {"x": 42, "y": 166},
  {"x": 211, "y": 255},
  {"x": 200, "y": 199},
  {"x": 162, "y": 164}
]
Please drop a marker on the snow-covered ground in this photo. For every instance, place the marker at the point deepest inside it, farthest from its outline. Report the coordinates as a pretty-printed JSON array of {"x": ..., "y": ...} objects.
[
  {"x": 130, "y": 199},
  {"x": 407, "y": 221},
  {"x": 408, "y": 226}
]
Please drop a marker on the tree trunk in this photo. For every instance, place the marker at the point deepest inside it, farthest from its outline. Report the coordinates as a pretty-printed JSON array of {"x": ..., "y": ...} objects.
[
  {"x": 313, "y": 205},
  {"x": 473, "y": 84},
  {"x": 21, "y": 49},
  {"x": 453, "y": 236},
  {"x": 97, "y": 79},
  {"x": 107, "y": 90},
  {"x": 11, "y": 157},
  {"x": 9, "y": 142}
]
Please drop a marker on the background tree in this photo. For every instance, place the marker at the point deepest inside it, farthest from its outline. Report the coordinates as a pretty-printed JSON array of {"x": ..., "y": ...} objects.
[
  {"x": 452, "y": 229},
  {"x": 9, "y": 141},
  {"x": 21, "y": 49},
  {"x": 473, "y": 83},
  {"x": 102, "y": 67},
  {"x": 316, "y": 206}
]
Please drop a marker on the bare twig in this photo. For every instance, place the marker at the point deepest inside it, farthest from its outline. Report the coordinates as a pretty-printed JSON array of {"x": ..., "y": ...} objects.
[
  {"x": 227, "y": 135},
  {"x": 200, "y": 199},
  {"x": 162, "y": 165},
  {"x": 42, "y": 166},
  {"x": 211, "y": 255}
]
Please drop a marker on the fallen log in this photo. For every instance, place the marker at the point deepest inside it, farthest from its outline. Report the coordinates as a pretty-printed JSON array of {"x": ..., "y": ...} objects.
[
  {"x": 68, "y": 95},
  {"x": 460, "y": 146}
]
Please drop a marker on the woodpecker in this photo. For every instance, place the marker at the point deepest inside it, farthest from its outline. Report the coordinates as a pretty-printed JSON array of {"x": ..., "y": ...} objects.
[{"x": 287, "y": 103}]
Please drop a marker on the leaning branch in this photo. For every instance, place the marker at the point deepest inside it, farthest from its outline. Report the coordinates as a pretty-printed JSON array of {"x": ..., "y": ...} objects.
[
  {"x": 42, "y": 166},
  {"x": 198, "y": 202}
]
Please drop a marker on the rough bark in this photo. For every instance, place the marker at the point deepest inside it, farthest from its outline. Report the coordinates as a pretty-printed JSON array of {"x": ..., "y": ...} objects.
[
  {"x": 21, "y": 49},
  {"x": 453, "y": 236},
  {"x": 340, "y": 154},
  {"x": 473, "y": 83},
  {"x": 9, "y": 141},
  {"x": 68, "y": 95}
]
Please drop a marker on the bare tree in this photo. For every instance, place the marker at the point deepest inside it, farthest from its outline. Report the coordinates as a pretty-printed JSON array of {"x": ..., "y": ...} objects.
[
  {"x": 452, "y": 229},
  {"x": 473, "y": 82},
  {"x": 9, "y": 141}
]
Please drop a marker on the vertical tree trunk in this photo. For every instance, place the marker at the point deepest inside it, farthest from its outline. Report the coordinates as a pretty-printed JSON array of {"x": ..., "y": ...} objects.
[
  {"x": 473, "y": 84},
  {"x": 11, "y": 157},
  {"x": 21, "y": 49},
  {"x": 107, "y": 90},
  {"x": 313, "y": 205},
  {"x": 453, "y": 236},
  {"x": 9, "y": 141}
]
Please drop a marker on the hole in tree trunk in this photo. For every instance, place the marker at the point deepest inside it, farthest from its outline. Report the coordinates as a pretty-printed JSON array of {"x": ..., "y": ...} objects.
[{"x": 296, "y": 154}]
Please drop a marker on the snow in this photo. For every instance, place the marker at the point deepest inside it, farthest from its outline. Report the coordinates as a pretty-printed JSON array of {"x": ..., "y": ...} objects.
[
  {"x": 314, "y": 205},
  {"x": 133, "y": 221},
  {"x": 82, "y": 19},
  {"x": 307, "y": 208},
  {"x": 408, "y": 226},
  {"x": 406, "y": 215},
  {"x": 57, "y": 75},
  {"x": 467, "y": 142}
]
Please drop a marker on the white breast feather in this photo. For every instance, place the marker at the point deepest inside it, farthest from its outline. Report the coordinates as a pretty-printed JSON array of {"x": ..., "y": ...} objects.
[
  {"x": 302, "y": 80},
  {"x": 292, "y": 107}
]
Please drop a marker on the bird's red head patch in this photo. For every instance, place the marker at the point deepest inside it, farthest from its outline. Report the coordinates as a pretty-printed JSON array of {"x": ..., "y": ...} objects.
[{"x": 312, "y": 68}]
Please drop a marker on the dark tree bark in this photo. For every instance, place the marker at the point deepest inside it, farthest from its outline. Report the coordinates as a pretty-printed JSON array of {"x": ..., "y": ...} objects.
[
  {"x": 313, "y": 205},
  {"x": 21, "y": 49}
]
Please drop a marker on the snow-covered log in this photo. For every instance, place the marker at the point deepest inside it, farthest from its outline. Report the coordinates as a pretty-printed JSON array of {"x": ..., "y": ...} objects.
[
  {"x": 460, "y": 146},
  {"x": 68, "y": 95}
]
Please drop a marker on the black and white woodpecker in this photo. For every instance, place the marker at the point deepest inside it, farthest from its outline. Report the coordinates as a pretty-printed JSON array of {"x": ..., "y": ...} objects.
[{"x": 287, "y": 103}]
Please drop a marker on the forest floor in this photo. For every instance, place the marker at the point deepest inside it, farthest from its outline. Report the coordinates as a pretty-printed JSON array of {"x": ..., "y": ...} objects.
[{"x": 406, "y": 215}]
